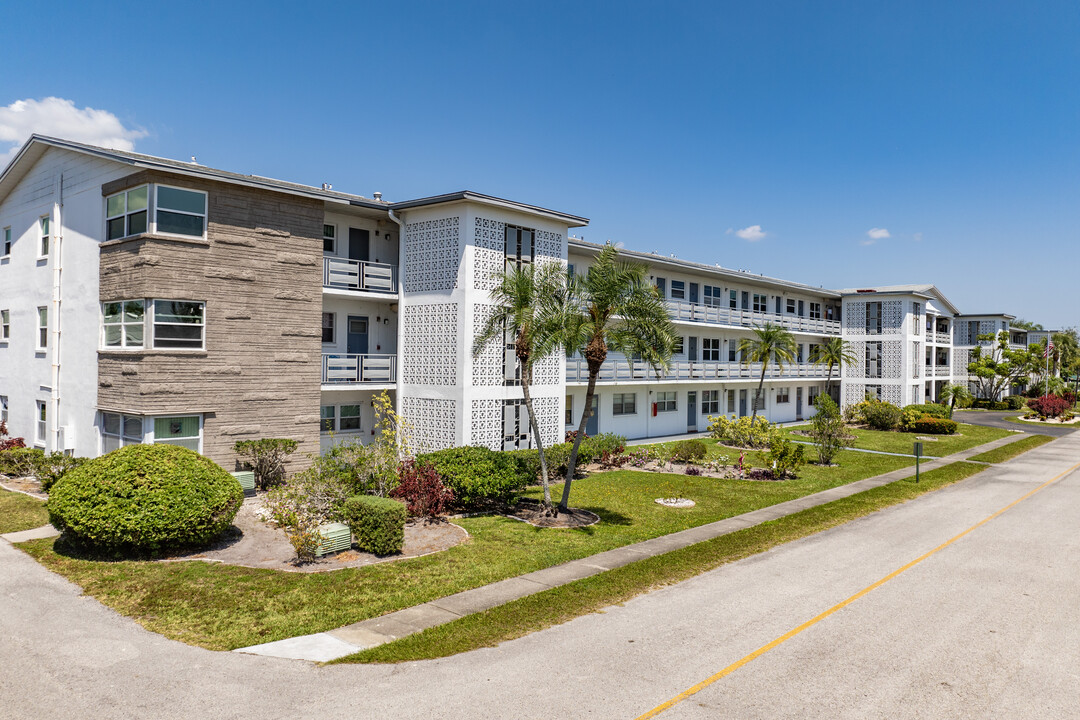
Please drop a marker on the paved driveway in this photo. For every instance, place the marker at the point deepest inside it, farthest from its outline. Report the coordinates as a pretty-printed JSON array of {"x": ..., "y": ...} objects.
[
  {"x": 997, "y": 419},
  {"x": 984, "y": 628}
]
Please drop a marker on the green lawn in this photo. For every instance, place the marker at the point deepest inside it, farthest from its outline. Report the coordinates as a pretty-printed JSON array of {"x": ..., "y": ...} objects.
[
  {"x": 21, "y": 512},
  {"x": 966, "y": 437},
  {"x": 1007, "y": 452},
  {"x": 558, "y": 605},
  {"x": 223, "y": 607}
]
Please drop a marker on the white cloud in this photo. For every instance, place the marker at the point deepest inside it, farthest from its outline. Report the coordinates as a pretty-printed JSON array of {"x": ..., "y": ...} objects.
[
  {"x": 877, "y": 233},
  {"x": 751, "y": 234},
  {"x": 60, "y": 118}
]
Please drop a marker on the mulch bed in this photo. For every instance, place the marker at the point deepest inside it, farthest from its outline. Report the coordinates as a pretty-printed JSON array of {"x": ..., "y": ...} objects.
[
  {"x": 532, "y": 512},
  {"x": 27, "y": 485}
]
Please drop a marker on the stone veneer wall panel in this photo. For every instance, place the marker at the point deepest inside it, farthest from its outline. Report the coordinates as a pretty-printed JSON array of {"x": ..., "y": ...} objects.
[{"x": 260, "y": 276}]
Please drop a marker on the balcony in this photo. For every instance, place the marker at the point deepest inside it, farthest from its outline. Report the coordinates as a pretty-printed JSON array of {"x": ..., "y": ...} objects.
[
  {"x": 693, "y": 312},
  {"x": 359, "y": 276},
  {"x": 942, "y": 338},
  {"x": 348, "y": 370},
  {"x": 942, "y": 371},
  {"x": 577, "y": 370}
]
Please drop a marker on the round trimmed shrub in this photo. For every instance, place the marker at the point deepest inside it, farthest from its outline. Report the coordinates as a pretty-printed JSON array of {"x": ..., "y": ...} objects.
[
  {"x": 689, "y": 451},
  {"x": 881, "y": 415},
  {"x": 145, "y": 499}
]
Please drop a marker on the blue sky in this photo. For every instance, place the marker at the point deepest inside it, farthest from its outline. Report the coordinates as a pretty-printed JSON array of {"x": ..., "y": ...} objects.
[{"x": 952, "y": 126}]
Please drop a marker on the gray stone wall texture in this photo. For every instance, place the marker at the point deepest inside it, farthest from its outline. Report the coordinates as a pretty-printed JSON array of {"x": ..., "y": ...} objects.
[{"x": 260, "y": 274}]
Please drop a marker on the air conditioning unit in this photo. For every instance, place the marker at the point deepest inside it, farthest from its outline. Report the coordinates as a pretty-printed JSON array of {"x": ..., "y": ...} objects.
[
  {"x": 247, "y": 481},
  {"x": 335, "y": 537},
  {"x": 66, "y": 440}
]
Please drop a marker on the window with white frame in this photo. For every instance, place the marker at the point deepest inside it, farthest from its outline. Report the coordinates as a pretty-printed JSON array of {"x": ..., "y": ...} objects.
[
  {"x": 791, "y": 306},
  {"x": 7, "y": 241},
  {"x": 916, "y": 318},
  {"x": 873, "y": 318},
  {"x": 42, "y": 339},
  {"x": 124, "y": 323},
  {"x": 40, "y": 426},
  {"x": 328, "y": 327},
  {"x": 710, "y": 349},
  {"x": 761, "y": 303},
  {"x": 812, "y": 394},
  {"x": 678, "y": 289},
  {"x": 329, "y": 238},
  {"x": 661, "y": 287},
  {"x": 5, "y": 325},
  {"x": 180, "y": 211},
  {"x": 713, "y": 296},
  {"x": 519, "y": 245},
  {"x": 783, "y": 395},
  {"x": 328, "y": 418},
  {"x": 732, "y": 351},
  {"x": 733, "y": 299},
  {"x": 624, "y": 404},
  {"x": 569, "y": 409},
  {"x": 126, "y": 213},
  {"x": 666, "y": 401},
  {"x": 758, "y": 400},
  {"x": 3, "y": 408},
  {"x": 348, "y": 418},
  {"x": 710, "y": 402},
  {"x": 179, "y": 324},
  {"x": 43, "y": 226},
  {"x": 118, "y": 430},
  {"x": 815, "y": 311},
  {"x": 873, "y": 359},
  {"x": 679, "y": 346},
  {"x": 183, "y": 431}
]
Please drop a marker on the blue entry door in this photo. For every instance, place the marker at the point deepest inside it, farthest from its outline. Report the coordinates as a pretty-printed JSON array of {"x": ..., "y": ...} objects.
[
  {"x": 357, "y": 335},
  {"x": 592, "y": 425}
]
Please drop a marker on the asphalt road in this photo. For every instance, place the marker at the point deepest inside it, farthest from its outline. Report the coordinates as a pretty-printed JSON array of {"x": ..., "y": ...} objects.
[
  {"x": 997, "y": 419},
  {"x": 986, "y": 627}
]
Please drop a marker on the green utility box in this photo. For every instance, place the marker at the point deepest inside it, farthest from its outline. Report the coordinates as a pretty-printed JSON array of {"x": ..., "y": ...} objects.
[
  {"x": 335, "y": 538},
  {"x": 247, "y": 481}
]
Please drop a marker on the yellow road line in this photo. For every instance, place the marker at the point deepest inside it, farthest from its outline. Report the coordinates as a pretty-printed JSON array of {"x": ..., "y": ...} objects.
[{"x": 839, "y": 606}]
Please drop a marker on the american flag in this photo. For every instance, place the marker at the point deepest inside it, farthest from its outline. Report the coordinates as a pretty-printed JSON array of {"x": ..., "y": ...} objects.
[{"x": 1049, "y": 348}]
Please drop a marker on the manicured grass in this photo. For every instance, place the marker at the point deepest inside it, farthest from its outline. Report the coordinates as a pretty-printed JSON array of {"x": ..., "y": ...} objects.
[
  {"x": 558, "y": 605},
  {"x": 223, "y": 607},
  {"x": 1007, "y": 452},
  {"x": 966, "y": 437},
  {"x": 21, "y": 512}
]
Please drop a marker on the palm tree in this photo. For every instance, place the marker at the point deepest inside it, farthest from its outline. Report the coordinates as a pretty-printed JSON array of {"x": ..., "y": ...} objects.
[
  {"x": 771, "y": 344},
  {"x": 837, "y": 352},
  {"x": 1066, "y": 348},
  {"x": 951, "y": 393},
  {"x": 528, "y": 314},
  {"x": 612, "y": 307}
]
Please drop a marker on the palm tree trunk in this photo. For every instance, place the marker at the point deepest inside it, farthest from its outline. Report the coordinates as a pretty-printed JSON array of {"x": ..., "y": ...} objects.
[
  {"x": 828, "y": 382},
  {"x": 571, "y": 466},
  {"x": 526, "y": 380},
  {"x": 757, "y": 395}
]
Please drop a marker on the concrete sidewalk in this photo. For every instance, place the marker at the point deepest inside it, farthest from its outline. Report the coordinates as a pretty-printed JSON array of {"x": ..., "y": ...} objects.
[{"x": 343, "y": 641}]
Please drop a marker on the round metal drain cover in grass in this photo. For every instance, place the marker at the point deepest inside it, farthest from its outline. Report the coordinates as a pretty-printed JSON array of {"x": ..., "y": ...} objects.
[{"x": 675, "y": 502}]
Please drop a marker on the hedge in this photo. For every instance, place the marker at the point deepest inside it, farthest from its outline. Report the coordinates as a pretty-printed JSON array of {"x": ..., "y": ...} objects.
[
  {"x": 927, "y": 425},
  {"x": 377, "y": 524},
  {"x": 475, "y": 474}
]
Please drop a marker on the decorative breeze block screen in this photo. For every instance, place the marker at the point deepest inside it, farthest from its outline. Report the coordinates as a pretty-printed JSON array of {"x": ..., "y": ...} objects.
[
  {"x": 893, "y": 394},
  {"x": 857, "y": 369},
  {"x": 855, "y": 318},
  {"x": 487, "y": 366},
  {"x": 549, "y": 244},
  {"x": 892, "y": 359},
  {"x": 432, "y": 253},
  {"x": 430, "y": 345},
  {"x": 960, "y": 360},
  {"x": 854, "y": 393},
  {"x": 547, "y": 414},
  {"x": 434, "y": 423},
  {"x": 486, "y": 428},
  {"x": 546, "y": 371},
  {"x": 489, "y": 252},
  {"x": 892, "y": 317}
]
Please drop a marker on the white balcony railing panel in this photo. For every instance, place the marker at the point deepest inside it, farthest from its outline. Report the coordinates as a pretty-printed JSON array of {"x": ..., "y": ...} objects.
[
  {"x": 682, "y": 311},
  {"x": 942, "y": 371},
  {"x": 577, "y": 370},
  {"x": 346, "y": 274},
  {"x": 943, "y": 338},
  {"x": 358, "y": 369}
]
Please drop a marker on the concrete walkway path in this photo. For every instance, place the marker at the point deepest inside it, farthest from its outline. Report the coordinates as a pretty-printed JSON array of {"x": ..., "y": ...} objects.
[{"x": 366, "y": 634}]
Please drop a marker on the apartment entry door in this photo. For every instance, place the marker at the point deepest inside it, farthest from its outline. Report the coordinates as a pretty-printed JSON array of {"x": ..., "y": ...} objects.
[
  {"x": 359, "y": 244},
  {"x": 357, "y": 335},
  {"x": 798, "y": 403},
  {"x": 742, "y": 403},
  {"x": 691, "y": 411},
  {"x": 592, "y": 425}
]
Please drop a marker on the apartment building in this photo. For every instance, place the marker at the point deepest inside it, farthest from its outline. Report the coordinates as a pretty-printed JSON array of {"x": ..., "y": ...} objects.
[{"x": 147, "y": 300}]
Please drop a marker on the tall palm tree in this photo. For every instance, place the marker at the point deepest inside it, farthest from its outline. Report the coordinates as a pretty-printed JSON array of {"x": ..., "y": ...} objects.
[
  {"x": 528, "y": 314},
  {"x": 951, "y": 393},
  {"x": 771, "y": 343},
  {"x": 1066, "y": 349},
  {"x": 612, "y": 307},
  {"x": 837, "y": 352}
]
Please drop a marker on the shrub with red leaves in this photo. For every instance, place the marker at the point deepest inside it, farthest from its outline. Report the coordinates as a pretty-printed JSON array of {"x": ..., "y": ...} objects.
[
  {"x": 1050, "y": 405},
  {"x": 422, "y": 490},
  {"x": 8, "y": 443}
]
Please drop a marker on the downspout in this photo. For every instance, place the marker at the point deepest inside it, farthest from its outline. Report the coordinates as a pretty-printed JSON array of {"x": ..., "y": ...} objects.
[
  {"x": 56, "y": 250},
  {"x": 400, "y": 312}
]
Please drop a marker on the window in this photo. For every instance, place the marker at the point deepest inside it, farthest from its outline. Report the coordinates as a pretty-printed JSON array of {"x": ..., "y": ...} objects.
[
  {"x": 678, "y": 289},
  {"x": 873, "y": 359},
  {"x": 519, "y": 244},
  {"x": 40, "y": 428},
  {"x": 802, "y": 306},
  {"x": 791, "y": 306},
  {"x": 873, "y": 318},
  {"x": 733, "y": 301},
  {"x": 569, "y": 409},
  {"x": 7, "y": 241},
  {"x": 812, "y": 352},
  {"x": 777, "y": 304},
  {"x": 126, "y": 213},
  {"x": 5, "y": 325},
  {"x": 3, "y": 408},
  {"x": 710, "y": 402},
  {"x": 710, "y": 349},
  {"x": 329, "y": 238},
  {"x": 350, "y": 418},
  {"x": 713, "y": 296},
  {"x": 783, "y": 395},
  {"x": 678, "y": 350},
  {"x": 624, "y": 404},
  {"x": 43, "y": 328},
  {"x": 124, "y": 323},
  {"x": 178, "y": 324},
  {"x": 328, "y": 327},
  {"x": 665, "y": 402},
  {"x": 180, "y": 212},
  {"x": 873, "y": 391},
  {"x": 182, "y": 431},
  {"x": 119, "y": 430},
  {"x": 745, "y": 300},
  {"x": 760, "y": 303},
  {"x": 916, "y": 318},
  {"x": 661, "y": 287},
  {"x": 811, "y": 395},
  {"x": 798, "y": 353},
  {"x": 815, "y": 311},
  {"x": 732, "y": 351},
  {"x": 758, "y": 401},
  {"x": 327, "y": 417},
  {"x": 731, "y": 401},
  {"x": 43, "y": 224}
]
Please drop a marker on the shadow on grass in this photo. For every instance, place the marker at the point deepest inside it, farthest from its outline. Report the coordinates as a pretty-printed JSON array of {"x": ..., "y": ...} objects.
[{"x": 70, "y": 547}]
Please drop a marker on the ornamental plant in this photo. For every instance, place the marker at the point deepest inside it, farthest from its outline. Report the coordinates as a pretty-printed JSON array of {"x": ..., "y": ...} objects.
[
  {"x": 785, "y": 457},
  {"x": 422, "y": 490},
  {"x": 828, "y": 430},
  {"x": 1050, "y": 405},
  {"x": 744, "y": 432}
]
